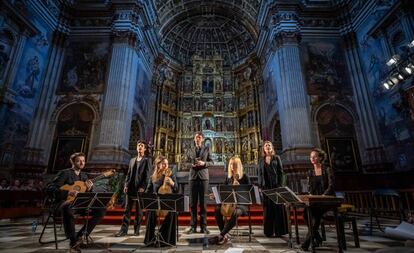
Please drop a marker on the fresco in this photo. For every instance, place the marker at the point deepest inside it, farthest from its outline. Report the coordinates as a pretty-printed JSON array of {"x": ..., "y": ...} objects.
[
  {"x": 27, "y": 86},
  {"x": 85, "y": 67},
  {"x": 325, "y": 68}
]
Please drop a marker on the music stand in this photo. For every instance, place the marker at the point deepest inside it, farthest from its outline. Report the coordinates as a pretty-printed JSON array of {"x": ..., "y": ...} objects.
[
  {"x": 170, "y": 202},
  {"x": 88, "y": 201},
  {"x": 285, "y": 196},
  {"x": 237, "y": 194}
]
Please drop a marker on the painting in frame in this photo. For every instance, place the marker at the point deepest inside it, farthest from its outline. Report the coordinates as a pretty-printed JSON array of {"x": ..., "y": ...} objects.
[{"x": 342, "y": 154}]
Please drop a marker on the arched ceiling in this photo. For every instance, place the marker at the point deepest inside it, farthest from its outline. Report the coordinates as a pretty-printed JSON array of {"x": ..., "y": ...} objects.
[{"x": 206, "y": 27}]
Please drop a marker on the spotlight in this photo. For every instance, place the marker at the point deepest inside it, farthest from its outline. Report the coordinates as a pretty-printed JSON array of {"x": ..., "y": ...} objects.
[
  {"x": 394, "y": 59},
  {"x": 411, "y": 44},
  {"x": 409, "y": 69},
  {"x": 400, "y": 77},
  {"x": 394, "y": 79},
  {"x": 386, "y": 85}
]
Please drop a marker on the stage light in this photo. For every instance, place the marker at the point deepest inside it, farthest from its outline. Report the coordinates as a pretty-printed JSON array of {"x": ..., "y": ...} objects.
[
  {"x": 411, "y": 44},
  {"x": 394, "y": 59},
  {"x": 394, "y": 79},
  {"x": 400, "y": 77},
  {"x": 386, "y": 85},
  {"x": 409, "y": 69}
]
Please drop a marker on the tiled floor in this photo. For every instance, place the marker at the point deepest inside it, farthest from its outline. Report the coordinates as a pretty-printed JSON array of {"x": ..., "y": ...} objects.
[{"x": 24, "y": 238}]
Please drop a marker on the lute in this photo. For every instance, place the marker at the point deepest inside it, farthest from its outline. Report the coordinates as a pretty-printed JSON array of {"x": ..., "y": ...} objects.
[{"x": 80, "y": 186}]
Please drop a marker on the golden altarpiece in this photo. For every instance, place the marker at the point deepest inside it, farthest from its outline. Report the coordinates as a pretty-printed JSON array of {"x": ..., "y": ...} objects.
[{"x": 220, "y": 102}]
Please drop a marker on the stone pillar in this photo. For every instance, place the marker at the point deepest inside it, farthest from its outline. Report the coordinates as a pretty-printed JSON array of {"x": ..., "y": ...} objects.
[
  {"x": 36, "y": 150},
  {"x": 372, "y": 152},
  {"x": 293, "y": 101},
  {"x": 112, "y": 147}
]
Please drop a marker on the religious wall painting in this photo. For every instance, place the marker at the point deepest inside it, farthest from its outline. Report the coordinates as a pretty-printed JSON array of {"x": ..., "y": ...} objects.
[
  {"x": 219, "y": 104},
  {"x": 342, "y": 154},
  {"x": 242, "y": 101},
  {"x": 326, "y": 71},
  {"x": 196, "y": 124},
  {"x": 208, "y": 85},
  {"x": 187, "y": 105},
  {"x": 208, "y": 123},
  {"x": 85, "y": 67},
  {"x": 228, "y": 104},
  {"x": 6, "y": 45},
  {"x": 228, "y": 124},
  {"x": 65, "y": 147},
  {"x": 219, "y": 124},
  {"x": 187, "y": 84},
  {"x": 227, "y": 84},
  {"x": 163, "y": 141}
]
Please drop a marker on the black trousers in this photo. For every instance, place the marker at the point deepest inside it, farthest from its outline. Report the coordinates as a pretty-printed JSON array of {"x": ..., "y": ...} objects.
[
  {"x": 316, "y": 216},
  {"x": 198, "y": 189},
  {"x": 129, "y": 203},
  {"x": 224, "y": 226},
  {"x": 69, "y": 221},
  {"x": 167, "y": 228}
]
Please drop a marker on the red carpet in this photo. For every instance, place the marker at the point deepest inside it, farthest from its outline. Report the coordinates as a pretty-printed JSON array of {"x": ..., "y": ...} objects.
[{"x": 114, "y": 216}]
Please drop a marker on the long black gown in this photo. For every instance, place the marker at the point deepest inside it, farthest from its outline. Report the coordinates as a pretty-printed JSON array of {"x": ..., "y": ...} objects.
[
  {"x": 275, "y": 217},
  {"x": 168, "y": 227}
]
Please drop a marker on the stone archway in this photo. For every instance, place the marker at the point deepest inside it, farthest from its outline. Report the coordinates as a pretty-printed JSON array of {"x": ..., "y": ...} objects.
[
  {"x": 337, "y": 135},
  {"x": 72, "y": 134}
]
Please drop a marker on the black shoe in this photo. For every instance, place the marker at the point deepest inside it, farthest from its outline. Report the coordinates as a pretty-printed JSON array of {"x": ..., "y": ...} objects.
[
  {"x": 136, "y": 232},
  {"x": 204, "y": 231},
  {"x": 121, "y": 233},
  {"x": 190, "y": 231}
]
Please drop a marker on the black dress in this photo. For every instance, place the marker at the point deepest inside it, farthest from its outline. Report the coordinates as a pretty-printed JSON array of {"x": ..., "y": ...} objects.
[
  {"x": 275, "y": 217},
  {"x": 318, "y": 185},
  {"x": 168, "y": 227}
]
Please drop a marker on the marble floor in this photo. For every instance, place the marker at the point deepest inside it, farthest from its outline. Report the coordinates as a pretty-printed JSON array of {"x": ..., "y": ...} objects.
[{"x": 23, "y": 235}]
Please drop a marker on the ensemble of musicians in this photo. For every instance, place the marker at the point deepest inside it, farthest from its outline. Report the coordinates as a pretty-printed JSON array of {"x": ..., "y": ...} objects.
[{"x": 145, "y": 175}]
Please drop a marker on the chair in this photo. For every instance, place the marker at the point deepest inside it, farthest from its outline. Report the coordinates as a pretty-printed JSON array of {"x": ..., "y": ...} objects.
[
  {"x": 343, "y": 217},
  {"x": 383, "y": 202},
  {"x": 54, "y": 215}
]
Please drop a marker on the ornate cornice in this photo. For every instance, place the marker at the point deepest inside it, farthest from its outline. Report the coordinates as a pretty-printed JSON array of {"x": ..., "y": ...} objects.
[{"x": 286, "y": 38}]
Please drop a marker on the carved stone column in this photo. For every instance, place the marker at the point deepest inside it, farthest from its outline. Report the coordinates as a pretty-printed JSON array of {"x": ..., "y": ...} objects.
[
  {"x": 372, "y": 152},
  {"x": 293, "y": 101},
  {"x": 113, "y": 140}
]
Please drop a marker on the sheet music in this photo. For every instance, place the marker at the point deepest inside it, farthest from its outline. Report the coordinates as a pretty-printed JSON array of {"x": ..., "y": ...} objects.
[
  {"x": 216, "y": 194},
  {"x": 257, "y": 195}
]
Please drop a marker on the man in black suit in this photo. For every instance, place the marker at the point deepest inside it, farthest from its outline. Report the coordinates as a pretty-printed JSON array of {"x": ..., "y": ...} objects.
[
  {"x": 70, "y": 176},
  {"x": 198, "y": 182},
  {"x": 136, "y": 180}
]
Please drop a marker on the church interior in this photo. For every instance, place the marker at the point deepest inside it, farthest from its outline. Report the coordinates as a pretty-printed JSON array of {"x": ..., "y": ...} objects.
[{"x": 97, "y": 76}]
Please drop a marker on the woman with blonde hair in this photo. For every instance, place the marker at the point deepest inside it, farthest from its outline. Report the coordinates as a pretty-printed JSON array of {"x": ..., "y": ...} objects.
[
  {"x": 235, "y": 176},
  {"x": 271, "y": 176},
  {"x": 161, "y": 177}
]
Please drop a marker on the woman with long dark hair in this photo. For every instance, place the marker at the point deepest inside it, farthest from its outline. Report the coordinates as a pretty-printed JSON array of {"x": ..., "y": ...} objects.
[
  {"x": 320, "y": 182},
  {"x": 271, "y": 176}
]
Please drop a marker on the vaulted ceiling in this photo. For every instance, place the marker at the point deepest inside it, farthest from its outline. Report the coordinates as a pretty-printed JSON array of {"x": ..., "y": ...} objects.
[{"x": 206, "y": 27}]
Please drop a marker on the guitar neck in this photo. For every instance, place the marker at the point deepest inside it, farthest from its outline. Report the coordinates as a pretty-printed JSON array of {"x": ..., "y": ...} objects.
[{"x": 98, "y": 178}]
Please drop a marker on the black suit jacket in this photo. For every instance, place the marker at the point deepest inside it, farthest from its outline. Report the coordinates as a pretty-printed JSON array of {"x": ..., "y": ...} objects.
[
  {"x": 142, "y": 174},
  {"x": 200, "y": 173}
]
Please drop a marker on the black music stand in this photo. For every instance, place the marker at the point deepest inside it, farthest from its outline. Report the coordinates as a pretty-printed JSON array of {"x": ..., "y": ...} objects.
[
  {"x": 88, "y": 201},
  {"x": 170, "y": 202},
  {"x": 285, "y": 196},
  {"x": 238, "y": 194}
]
